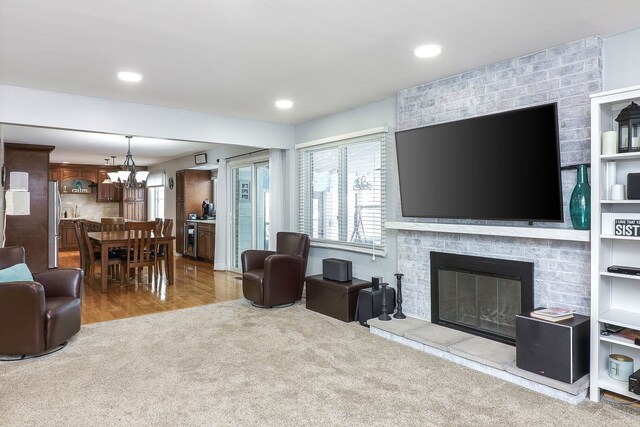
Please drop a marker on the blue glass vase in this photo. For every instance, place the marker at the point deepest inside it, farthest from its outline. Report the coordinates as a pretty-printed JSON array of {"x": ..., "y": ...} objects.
[{"x": 580, "y": 203}]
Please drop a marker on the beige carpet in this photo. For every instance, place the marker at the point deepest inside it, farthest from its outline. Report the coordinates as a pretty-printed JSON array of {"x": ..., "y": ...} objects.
[{"x": 232, "y": 364}]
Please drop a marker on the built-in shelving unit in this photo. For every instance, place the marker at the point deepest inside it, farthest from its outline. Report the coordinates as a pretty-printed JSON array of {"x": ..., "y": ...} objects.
[{"x": 614, "y": 297}]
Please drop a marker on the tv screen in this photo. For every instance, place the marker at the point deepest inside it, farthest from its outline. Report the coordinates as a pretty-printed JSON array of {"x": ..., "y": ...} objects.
[{"x": 502, "y": 166}]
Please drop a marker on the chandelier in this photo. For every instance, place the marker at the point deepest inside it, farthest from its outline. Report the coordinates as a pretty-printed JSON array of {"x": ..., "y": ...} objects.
[{"x": 129, "y": 176}]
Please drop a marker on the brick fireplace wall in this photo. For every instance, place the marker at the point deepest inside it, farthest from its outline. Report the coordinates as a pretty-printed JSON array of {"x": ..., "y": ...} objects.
[{"x": 565, "y": 74}]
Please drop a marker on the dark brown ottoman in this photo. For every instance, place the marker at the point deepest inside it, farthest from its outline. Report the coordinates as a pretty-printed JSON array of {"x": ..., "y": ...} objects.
[{"x": 335, "y": 299}]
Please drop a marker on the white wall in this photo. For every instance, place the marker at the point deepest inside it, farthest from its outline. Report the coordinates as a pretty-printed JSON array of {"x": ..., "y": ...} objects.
[
  {"x": 622, "y": 60},
  {"x": 58, "y": 110},
  {"x": 365, "y": 117},
  {"x": 187, "y": 162}
]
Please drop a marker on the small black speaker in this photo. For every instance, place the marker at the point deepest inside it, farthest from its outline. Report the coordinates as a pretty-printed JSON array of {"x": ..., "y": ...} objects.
[
  {"x": 633, "y": 186},
  {"x": 338, "y": 270},
  {"x": 558, "y": 350}
]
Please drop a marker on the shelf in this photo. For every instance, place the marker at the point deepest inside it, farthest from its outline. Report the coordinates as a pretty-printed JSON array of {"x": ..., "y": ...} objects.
[
  {"x": 619, "y": 341},
  {"x": 620, "y": 387},
  {"x": 621, "y": 276},
  {"x": 622, "y": 156},
  {"x": 621, "y": 202},
  {"x": 614, "y": 237},
  {"x": 622, "y": 318},
  {"x": 495, "y": 230}
]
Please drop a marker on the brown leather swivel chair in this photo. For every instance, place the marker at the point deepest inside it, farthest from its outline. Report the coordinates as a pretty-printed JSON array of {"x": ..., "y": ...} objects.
[
  {"x": 40, "y": 315},
  {"x": 276, "y": 278}
]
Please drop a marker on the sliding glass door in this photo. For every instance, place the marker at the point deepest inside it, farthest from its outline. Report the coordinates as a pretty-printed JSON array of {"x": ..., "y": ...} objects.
[{"x": 250, "y": 208}]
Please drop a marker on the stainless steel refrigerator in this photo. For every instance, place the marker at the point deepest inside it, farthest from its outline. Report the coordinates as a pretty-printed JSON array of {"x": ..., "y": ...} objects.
[{"x": 55, "y": 206}]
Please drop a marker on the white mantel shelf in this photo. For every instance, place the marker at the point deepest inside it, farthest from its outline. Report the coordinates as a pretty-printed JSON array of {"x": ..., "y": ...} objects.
[{"x": 494, "y": 230}]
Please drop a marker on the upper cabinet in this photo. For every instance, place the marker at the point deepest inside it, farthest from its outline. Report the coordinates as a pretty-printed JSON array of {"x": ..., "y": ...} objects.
[
  {"x": 78, "y": 172},
  {"x": 76, "y": 179},
  {"x": 107, "y": 193}
]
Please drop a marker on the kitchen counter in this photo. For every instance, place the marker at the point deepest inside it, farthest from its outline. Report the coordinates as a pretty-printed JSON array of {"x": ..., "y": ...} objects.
[{"x": 203, "y": 221}]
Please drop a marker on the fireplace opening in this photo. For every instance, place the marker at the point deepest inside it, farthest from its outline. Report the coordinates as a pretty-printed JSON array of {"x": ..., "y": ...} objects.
[{"x": 480, "y": 295}]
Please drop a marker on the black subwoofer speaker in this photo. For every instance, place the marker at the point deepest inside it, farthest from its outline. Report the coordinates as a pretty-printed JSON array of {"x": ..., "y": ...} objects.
[{"x": 557, "y": 350}]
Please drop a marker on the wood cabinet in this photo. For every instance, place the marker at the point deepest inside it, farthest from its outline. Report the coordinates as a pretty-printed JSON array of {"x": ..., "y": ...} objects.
[
  {"x": 133, "y": 205},
  {"x": 206, "y": 241},
  {"x": 614, "y": 296},
  {"x": 107, "y": 193},
  {"x": 79, "y": 172},
  {"x": 55, "y": 174},
  {"x": 180, "y": 186},
  {"x": 30, "y": 231},
  {"x": 68, "y": 240},
  {"x": 192, "y": 187}
]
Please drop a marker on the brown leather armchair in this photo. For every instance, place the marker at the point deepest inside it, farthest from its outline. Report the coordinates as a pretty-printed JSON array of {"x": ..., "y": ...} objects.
[
  {"x": 40, "y": 315},
  {"x": 276, "y": 278}
]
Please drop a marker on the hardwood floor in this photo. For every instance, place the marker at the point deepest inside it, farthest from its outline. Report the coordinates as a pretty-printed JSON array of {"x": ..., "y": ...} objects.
[{"x": 195, "y": 284}]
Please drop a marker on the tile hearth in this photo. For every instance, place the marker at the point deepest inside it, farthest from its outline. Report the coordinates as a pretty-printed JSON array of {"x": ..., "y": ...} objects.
[{"x": 481, "y": 354}]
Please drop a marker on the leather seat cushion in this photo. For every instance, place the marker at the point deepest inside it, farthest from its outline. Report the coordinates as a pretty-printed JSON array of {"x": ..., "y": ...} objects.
[
  {"x": 252, "y": 285},
  {"x": 63, "y": 317}
]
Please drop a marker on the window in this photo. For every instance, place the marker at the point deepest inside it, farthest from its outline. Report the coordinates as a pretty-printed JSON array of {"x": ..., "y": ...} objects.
[
  {"x": 155, "y": 195},
  {"x": 342, "y": 191},
  {"x": 156, "y": 202}
]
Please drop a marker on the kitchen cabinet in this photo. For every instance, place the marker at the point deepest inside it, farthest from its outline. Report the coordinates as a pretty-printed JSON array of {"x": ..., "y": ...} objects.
[
  {"x": 192, "y": 187},
  {"x": 614, "y": 296},
  {"x": 206, "y": 241},
  {"x": 133, "y": 205},
  {"x": 67, "y": 233},
  {"x": 55, "y": 174},
  {"x": 107, "y": 193},
  {"x": 79, "y": 172},
  {"x": 30, "y": 231},
  {"x": 68, "y": 176}
]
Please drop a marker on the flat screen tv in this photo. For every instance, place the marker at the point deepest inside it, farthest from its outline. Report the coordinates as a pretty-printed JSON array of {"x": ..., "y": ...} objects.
[{"x": 502, "y": 166}]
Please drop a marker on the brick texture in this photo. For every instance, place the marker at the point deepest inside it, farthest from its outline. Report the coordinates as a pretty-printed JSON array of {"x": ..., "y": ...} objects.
[{"x": 565, "y": 74}]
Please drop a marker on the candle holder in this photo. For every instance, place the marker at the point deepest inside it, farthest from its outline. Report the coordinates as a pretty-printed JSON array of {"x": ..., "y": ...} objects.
[
  {"x": 399, "y": 314},
  {"x": 384, "y": 315}
]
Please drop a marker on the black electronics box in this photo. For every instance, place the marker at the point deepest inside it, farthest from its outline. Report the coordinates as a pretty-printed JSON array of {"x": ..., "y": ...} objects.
[
  {"x": 624, "y": 270},
  {"x": 338, "y": 270},
  {"x": 558, "y": 350},
  {"x": 369, "y": 303},
  {"x": 633, "y": 186},
  {"x": 634, "y": 382}
]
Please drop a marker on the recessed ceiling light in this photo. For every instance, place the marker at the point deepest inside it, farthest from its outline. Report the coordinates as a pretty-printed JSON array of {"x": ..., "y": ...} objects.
[
  {"x": 427, "y": 51},
  {"x": 129, "y": 76},
  {"x": 284, "y": 104}
]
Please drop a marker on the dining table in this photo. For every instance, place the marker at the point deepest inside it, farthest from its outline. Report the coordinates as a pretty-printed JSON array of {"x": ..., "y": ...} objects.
[{"x": 107, "y": 240}]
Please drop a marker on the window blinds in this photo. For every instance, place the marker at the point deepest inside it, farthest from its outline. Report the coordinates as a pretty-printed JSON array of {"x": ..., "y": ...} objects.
[{"x": 342, "y": 190}]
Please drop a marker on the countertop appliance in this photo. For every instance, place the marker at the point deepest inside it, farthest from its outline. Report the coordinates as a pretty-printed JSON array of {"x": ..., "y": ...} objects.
[
  {"x": 207, "y": 209},
  {"x": 54, "y": 209}
]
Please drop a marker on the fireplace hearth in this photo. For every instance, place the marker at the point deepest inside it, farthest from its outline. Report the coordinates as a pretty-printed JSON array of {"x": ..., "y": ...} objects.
[{"x": 480, "y": 295}]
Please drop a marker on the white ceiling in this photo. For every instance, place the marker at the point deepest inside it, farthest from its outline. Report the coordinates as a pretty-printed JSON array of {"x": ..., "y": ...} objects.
[{"x": 236, "y": 57}]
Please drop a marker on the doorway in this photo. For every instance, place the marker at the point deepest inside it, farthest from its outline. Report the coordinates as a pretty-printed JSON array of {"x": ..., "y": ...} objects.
[{"x": 250, "y": 208}]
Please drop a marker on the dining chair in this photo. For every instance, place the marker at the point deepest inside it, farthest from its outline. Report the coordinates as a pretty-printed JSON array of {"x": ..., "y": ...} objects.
[
  {"x": 141, "y": 249},
  {"x": 84, "y": 256},
  {"x": 93, "y": 258},
  {"x": 112, "y": 224},
  {"x": 115, "y": 223},
  {"x": 162, "y": 253}
]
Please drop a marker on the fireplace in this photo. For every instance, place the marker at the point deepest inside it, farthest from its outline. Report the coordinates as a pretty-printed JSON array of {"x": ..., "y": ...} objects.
[{"x": 480, "y": 295}]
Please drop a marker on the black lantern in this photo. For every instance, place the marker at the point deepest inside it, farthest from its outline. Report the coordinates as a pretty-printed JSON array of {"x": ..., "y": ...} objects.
[{"x": 628, "y": 122}]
